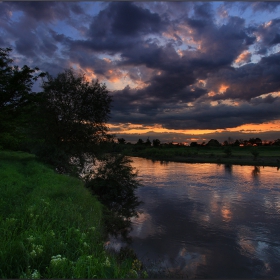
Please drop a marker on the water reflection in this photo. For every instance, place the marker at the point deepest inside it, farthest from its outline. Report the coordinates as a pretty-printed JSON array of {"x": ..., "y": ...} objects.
[
  {"x": 256, "y": 171},
  {"x": 228, "y": 168},
  {"x": 207, "y": 223}
]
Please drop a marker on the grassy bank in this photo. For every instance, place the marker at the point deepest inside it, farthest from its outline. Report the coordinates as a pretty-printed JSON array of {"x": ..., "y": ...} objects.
[
  {"x": 262, "y": 155},
  {"x": 50, "y": 225}
]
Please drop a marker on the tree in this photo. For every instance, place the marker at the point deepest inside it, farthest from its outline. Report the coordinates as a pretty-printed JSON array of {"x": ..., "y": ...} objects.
[
  {"x": 193, "y": 144},
  {"x": 236, "y": 143},
  {"x": 16, "y": 99},
  {"x": 213, "y": 143},
  {"x": 276, "y": 142},
  {"x": 156, "y": 143},
  {"x": 148, "y": 143},
  {"x": 72, "y": 118},
  {"x": 121, "y": 140},
  {"x": 140, "y": 142}
]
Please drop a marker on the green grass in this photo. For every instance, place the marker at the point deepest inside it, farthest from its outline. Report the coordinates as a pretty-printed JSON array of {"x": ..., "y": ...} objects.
[{"x": 50, "y": 225}]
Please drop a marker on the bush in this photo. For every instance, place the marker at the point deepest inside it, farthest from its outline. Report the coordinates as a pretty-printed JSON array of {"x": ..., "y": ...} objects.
[{"x": 115, "y": 183}]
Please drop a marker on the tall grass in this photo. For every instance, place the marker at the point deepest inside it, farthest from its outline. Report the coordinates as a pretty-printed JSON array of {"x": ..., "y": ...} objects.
[{"x": 50, "y": 225}]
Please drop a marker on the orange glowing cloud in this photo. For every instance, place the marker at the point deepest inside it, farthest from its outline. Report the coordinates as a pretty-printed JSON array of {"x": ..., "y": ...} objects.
[
  {"x": 108, "y": 60},
  {"x": 226, "y": 214},
  {"x": 243, "y": 58},
  {"x": 129, "y": 128},
  {"x": 223, "y": 88},
  {"x": 255, "y": 128},
  {"x": 87, "y": 72},
  {"x": 202, "y": 82},
  {"x": 211, "y": 93}
]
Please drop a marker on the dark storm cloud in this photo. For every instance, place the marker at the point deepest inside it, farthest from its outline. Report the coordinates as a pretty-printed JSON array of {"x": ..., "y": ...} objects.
[
  {"x": 203, "y": 116},
  {"x": 220, "y": 45},
  {"x": 161, "y": 101},
  {"x": 222, "y": 116},
  {"x": 269, "y": 34},
  {"x": 118, "y": 26},
  {"x": 46, "y": 11},
  {"x": 250, "y": 80}
]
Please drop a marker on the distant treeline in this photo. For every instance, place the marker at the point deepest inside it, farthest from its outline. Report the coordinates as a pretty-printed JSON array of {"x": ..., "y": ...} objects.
[{"x": 213, "y": 143}]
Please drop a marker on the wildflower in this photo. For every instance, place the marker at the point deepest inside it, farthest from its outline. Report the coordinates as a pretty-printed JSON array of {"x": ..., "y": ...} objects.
[
  {"x": 35, "y": 274},
  {"x": 31, "y": 238},
  {"x": 56, "y": 260},
  {"x": 107, "y": 262},
  {"x": 37, "y": 250},
  {"x": 33, "y": 253},
  {"x": 136, "y": 265}
]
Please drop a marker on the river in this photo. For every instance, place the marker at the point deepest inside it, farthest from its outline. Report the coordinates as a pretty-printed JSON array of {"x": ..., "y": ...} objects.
[{"x": 208, "y": 220}]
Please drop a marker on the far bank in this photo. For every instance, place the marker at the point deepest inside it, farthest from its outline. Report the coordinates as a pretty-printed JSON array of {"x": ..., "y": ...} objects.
[{"x": 254, "y": 156}]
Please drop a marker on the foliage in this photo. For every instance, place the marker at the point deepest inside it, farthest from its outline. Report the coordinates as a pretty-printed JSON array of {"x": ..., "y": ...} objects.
[
  {"x": 121, "y": 141},
  {"x": 16, "y": 100},
  {"x": 115, "y": 183},
  {"x": 71, "y": 118},
  {"x": 50, "y": 225},
  {"x": 148, "y": 143},
  {"x": 213, "y": 142},
  {"x": 156, "y": 143},
  {"x": 140, "y": 142}
]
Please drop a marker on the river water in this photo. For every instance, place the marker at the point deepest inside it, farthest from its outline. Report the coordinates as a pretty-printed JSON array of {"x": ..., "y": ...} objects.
[{"x": 208, "y": 220}]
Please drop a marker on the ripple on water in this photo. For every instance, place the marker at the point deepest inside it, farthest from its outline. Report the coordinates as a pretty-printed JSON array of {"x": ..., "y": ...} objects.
[{"x": 209, "y": 220}]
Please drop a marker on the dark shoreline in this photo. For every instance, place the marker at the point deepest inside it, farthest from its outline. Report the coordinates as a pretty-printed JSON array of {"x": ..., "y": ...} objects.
[{"x": 232, "y": 160}]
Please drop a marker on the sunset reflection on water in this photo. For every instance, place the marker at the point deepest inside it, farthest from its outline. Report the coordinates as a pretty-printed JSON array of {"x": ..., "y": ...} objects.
[{"x": 209, "y": 220}]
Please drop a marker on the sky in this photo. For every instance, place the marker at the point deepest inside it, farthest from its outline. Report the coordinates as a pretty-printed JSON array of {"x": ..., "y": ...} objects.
[{"x": 177, "y": 71}]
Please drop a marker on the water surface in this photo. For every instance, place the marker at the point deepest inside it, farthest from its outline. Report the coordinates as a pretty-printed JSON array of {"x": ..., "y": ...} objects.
[{"x": 209, "y": 220}]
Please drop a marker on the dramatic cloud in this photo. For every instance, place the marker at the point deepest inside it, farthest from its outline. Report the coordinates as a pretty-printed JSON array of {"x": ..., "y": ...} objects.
[{"x": 169, "y": 65}]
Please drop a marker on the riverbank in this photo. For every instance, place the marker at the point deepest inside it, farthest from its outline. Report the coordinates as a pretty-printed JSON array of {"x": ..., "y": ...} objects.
[
  {"x": 253, "y": 156},
  {"x": 50, "y": 225}
]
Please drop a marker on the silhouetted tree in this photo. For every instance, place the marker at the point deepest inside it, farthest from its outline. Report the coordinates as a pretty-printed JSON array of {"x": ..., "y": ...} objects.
[
  {"x": 16, "y": 100},
  {"x": 71, "y": 119},
  {"x": 256, "y": 141},
  {"x": 121, "y": 140},
  {"x": 213, "y": 143},
  {"x": 148, "y": 143},
  {"x": 140, "y": 142},
  {"x": 276, "y": 142},
  {"x": 236, "y": 143},
  {"x": 156, "y": 142},
  {"x": 193, "y": 144}
]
